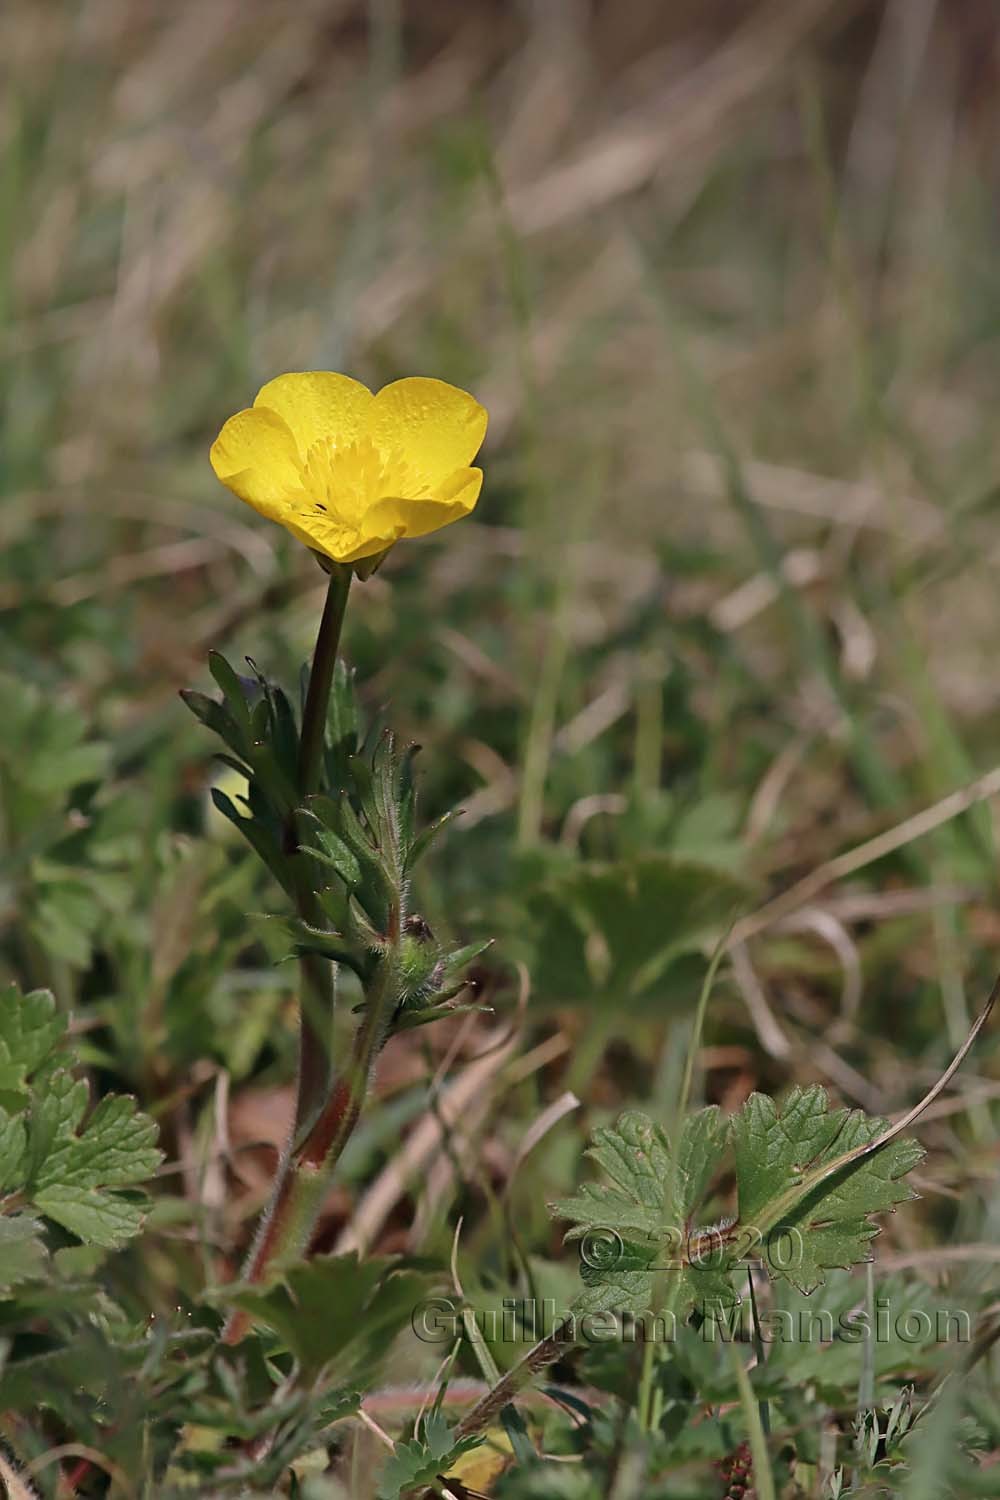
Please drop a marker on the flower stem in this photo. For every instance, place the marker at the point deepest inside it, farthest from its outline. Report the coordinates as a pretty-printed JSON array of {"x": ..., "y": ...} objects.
[
  {"x": 288, "y": 1220},
  {"x": 321, "y": 677},
  {"x": 316, "y": 976},
  {"x": 306, "y": 1167}
]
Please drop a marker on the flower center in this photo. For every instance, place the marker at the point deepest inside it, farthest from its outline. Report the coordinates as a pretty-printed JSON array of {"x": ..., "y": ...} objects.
[{"x": 346, "y": 479}]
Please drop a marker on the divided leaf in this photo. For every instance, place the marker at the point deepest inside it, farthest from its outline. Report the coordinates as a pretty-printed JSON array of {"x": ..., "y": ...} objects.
[
  {"x": 78, "y": 1172},
  {"x": 798, "y": 1211},
  {"x": 353, "y": 843},
  {"x": 828, "y": 1224},
  {"x": 336, "y": 1310},
  {"x": 425, "y": 1460},
  {"x": 30, "y": 1028},
  {"x": 610, "y": 932},
  {"x": 22, "y": 1253},
  {"x": 642, "y": 1223},
  {"x": 75, "y": 1169}
]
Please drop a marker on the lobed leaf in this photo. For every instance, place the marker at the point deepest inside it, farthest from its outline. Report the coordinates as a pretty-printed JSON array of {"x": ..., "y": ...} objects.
[
  {"x": 30, "y": 1029},
  {"x": 609, "y": 932},
  {"x": 800, "y": 1219},
  {"x": 22, "y": 1251},
  {"x": 638, "y": 1225},
  {"x": 828, "y": 1225},
  {"x": 338, "y": 1311},
  {"x": 424, "y": 1461}
]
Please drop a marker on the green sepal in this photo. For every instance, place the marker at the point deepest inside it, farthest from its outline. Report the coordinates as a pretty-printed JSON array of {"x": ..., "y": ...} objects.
[
  {"x": 431, "y": 995},
  {"x": 418, "y": 962},
  {"x": 408, "y": 1018},
  {"x": 454, "y": 964}
]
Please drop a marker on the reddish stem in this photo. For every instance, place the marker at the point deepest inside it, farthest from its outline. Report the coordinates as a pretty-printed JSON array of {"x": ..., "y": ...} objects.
[{"x": 306, "y": 1168}]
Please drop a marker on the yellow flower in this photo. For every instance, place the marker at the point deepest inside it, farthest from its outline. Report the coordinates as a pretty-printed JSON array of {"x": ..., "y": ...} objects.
[
  {"x": 477, "y": 1471},
  {"x": 350, "y": 473}
]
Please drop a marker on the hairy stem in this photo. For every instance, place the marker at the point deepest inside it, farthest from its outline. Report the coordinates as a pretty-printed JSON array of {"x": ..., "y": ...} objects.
[
  {"x": 307, "y": 1166},
  {"x": 545, "y": 1352},
  {"x": 287, "y": 1222}
]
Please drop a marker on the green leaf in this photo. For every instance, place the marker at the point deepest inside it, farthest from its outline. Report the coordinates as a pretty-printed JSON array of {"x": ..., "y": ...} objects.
[
  {"x": 116, "y": 1149},
  {"x": 44, "y": 748},
  {"x": 96, "y": 1218},
  {"x": 342, "y": 712},
  {"x": 54, "y": 1111},
  {"x": 817, "y": 1339},
  {"x": 426, "y": 837},
  {"x": 612, "y": 930},
  {"x": 336, "y": 1311},
  {"x": 635, "y": 1154},
  {"x": 13, "y": 1146},
  {"x": 304, "y": 938},
  {"x": 67, "y": 915},
  {"x": 332, "y": 850},
  {"x": 425, "y": 1460},
  {"x": 260, "y": 721},
  {"x": 71, "y": 1173},
  {"x": 216, "y": 718},
  {"x": 30, "y": 1029},
  {"x": 22, "y": 1253},
  {"x": 284, "y": 732},
  {"x": 364, "y": 782},
  {"x": 773, "y": 1148},
  {"x": 250, "y": 741},
  {"x": 803, "y": 1209},
  {"x": 386, "y": 778},
  {"x": 50, "y": 1161},
  {"x": 828, "y": 1224},
  {"x": 641, "y": 1222},
  {"x": 231, "y": 688},
  {"x": 259, "y": 837},
  {"x": 375, "y": 889}
]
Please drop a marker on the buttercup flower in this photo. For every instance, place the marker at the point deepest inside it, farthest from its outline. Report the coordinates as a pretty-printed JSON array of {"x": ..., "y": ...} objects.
[{"x": 350, "y": 473}]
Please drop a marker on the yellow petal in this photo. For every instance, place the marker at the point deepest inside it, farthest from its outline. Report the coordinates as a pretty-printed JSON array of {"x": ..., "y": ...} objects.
[
  {"x": 437, "y": 427},
  {"x": 344, "y": 544},
  {"x": 400, "y": 517},
  {"x": 317, "y": 404},
  {"x": 365, "y": 546},
  {"x": 255, "y": 457},
  {"x": 478, "y": 1470}
]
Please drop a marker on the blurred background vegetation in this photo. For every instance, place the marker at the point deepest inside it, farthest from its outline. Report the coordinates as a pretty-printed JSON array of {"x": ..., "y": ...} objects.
[{"x": 726, "y": 277}]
